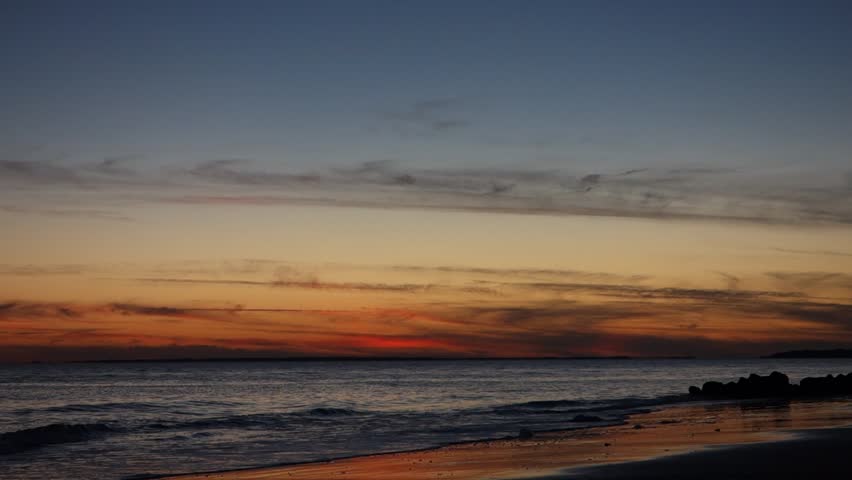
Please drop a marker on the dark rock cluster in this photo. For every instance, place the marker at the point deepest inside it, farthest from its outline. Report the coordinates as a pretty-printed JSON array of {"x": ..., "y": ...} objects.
[{"x": 775, "y": 384}]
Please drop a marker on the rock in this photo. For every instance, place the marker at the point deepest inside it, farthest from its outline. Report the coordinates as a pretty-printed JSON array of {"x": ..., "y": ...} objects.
[
  {"x": 638, "y": 426},
  {"x": 828, "y": 385},
  {"x": 776, "y": 384},
  {"x": 525, "y": 434},
  {"x": 713, "y": 388}
]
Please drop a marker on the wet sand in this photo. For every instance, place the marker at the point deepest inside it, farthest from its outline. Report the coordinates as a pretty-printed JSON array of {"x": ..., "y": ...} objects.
[
  {"x": 812, "y": 454},
  {"x": 676, "y": 442}
]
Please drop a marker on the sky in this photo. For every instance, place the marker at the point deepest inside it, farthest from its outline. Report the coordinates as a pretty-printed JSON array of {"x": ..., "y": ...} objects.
[{"x": 443, "y": 179}]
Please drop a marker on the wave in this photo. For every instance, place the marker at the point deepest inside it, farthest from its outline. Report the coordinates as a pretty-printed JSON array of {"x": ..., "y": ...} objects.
[
  {"x": 55, "y": 433},
  {"x": 618, "y": 405},
  {"x": 261, "y": 420},
  {"x": 447, "y": 426},
  {"x": 548, "y": 404},
  {"x": 332, "y": 412},
  {"x": 114, "y": 406}
]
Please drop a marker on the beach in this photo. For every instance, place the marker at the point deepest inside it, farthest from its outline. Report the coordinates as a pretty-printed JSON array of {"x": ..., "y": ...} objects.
[
  {"x": 818, "y": 453},
  {"x": 738, "y": 439},
  {"x": 356, "y": 420}
]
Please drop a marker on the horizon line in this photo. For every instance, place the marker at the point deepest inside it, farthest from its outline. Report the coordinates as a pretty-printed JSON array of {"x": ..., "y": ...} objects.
[{"x": 344, "y": 358}]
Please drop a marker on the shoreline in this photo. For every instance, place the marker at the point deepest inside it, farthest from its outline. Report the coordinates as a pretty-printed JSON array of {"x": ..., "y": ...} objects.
[{"x": 669, "y": 432}]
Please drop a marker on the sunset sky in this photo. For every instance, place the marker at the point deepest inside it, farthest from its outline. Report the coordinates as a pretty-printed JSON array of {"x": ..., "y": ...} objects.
[{"x": 399, "y": 178}]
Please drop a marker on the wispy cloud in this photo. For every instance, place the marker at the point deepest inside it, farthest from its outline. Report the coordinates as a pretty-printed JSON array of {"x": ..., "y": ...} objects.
[
  {"x": 84, "y": 213},
  {"x": 665, "y": 194},
  {"x": 38, "y": 270},
  {"x": 808, "y": 281},
  {"x": 732, "y": 281},
  {"x": 690, "y": 323},
  {"x": 828, "y": 253},
  {"x": 319, "y": 285},
  {"x": 427, "y": 117},
  {"x": 227, "y": 171},
  {"x": 38, "y": 172},
  {"x": 696, "y": 193},
  {"x": 91, "y": 175},
  {"x": 521, "y": 272}
]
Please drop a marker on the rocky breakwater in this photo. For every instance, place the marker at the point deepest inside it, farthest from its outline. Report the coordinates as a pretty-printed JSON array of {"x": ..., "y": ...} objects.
[{"x": 775, "y": 384}]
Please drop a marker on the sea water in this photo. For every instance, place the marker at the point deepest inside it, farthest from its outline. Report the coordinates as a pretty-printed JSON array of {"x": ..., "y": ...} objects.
[{"x": 132, "y": 420}]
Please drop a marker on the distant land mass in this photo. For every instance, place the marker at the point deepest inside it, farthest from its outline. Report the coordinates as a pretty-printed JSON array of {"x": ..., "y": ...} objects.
[
  {"x": 835, "y": 353},
  {"x": 362, "y": 359}
]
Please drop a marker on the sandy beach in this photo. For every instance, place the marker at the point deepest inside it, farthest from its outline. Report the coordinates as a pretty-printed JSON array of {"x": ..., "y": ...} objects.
[
  {"x": 753, "y": 438},
  {"x": 818, "y": 453}
]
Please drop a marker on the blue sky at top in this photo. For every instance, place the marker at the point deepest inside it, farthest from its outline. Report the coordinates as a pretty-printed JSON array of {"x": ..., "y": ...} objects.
[{"x": 626, "y": 84}]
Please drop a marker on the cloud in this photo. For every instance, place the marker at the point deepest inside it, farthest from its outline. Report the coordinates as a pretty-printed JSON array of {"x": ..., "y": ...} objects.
[
  {"x": 244, "y": 266},
  {"x": 812, "y": 280},
  {"x": 547, "y": 312},
  {"x": 82, "y": 213},
  {"x": 663, "y": 329},
  {"x": 689, "y": 322},
  {"x": 37, "y": 172},
  {"x": 831, "y": 314},
  {"x": 285, "y": 274},
  {"x": 313, "y": 284},
  {"x": 54, "y": 353},
  {"x": 642, "y": 193},
  {"x": 829, "y": 253},
  {"x": 589, "y": 181},
  {"x": 639, "y": 292},
  {"x": 131, "y": 309},
  {"x": 558, "y": 345},
  {"x": 38, "y": 310},
  {"x": 686, "y": 193},
  {"x": 38, "y": 270},
  {"x": 219, "y": 268},
  {"x": 115, "y": 166},
  {"x": 441, "y": 280},
  {"x": 429, "y": 279},
  {"x": 732, "y": 281},
  {"x": 223, "y": 171},
  {"x": 108, "y": 171},
  {"x": 522, "y": 273},
  {"x": 427, "y": 117}
]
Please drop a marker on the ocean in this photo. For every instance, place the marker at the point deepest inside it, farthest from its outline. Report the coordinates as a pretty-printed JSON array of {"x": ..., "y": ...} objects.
[{"x": 135, "y": 420}]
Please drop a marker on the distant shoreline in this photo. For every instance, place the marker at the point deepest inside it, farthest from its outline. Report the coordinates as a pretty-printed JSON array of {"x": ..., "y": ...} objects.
[
  {"x": 787, "y": 355},
  {"x": 364, "y": 359},
  {"x": 833, "y": 353}
]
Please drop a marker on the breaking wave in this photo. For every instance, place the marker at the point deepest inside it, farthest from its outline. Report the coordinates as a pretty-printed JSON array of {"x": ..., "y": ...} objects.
[{"x": 55, "y": 433}]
